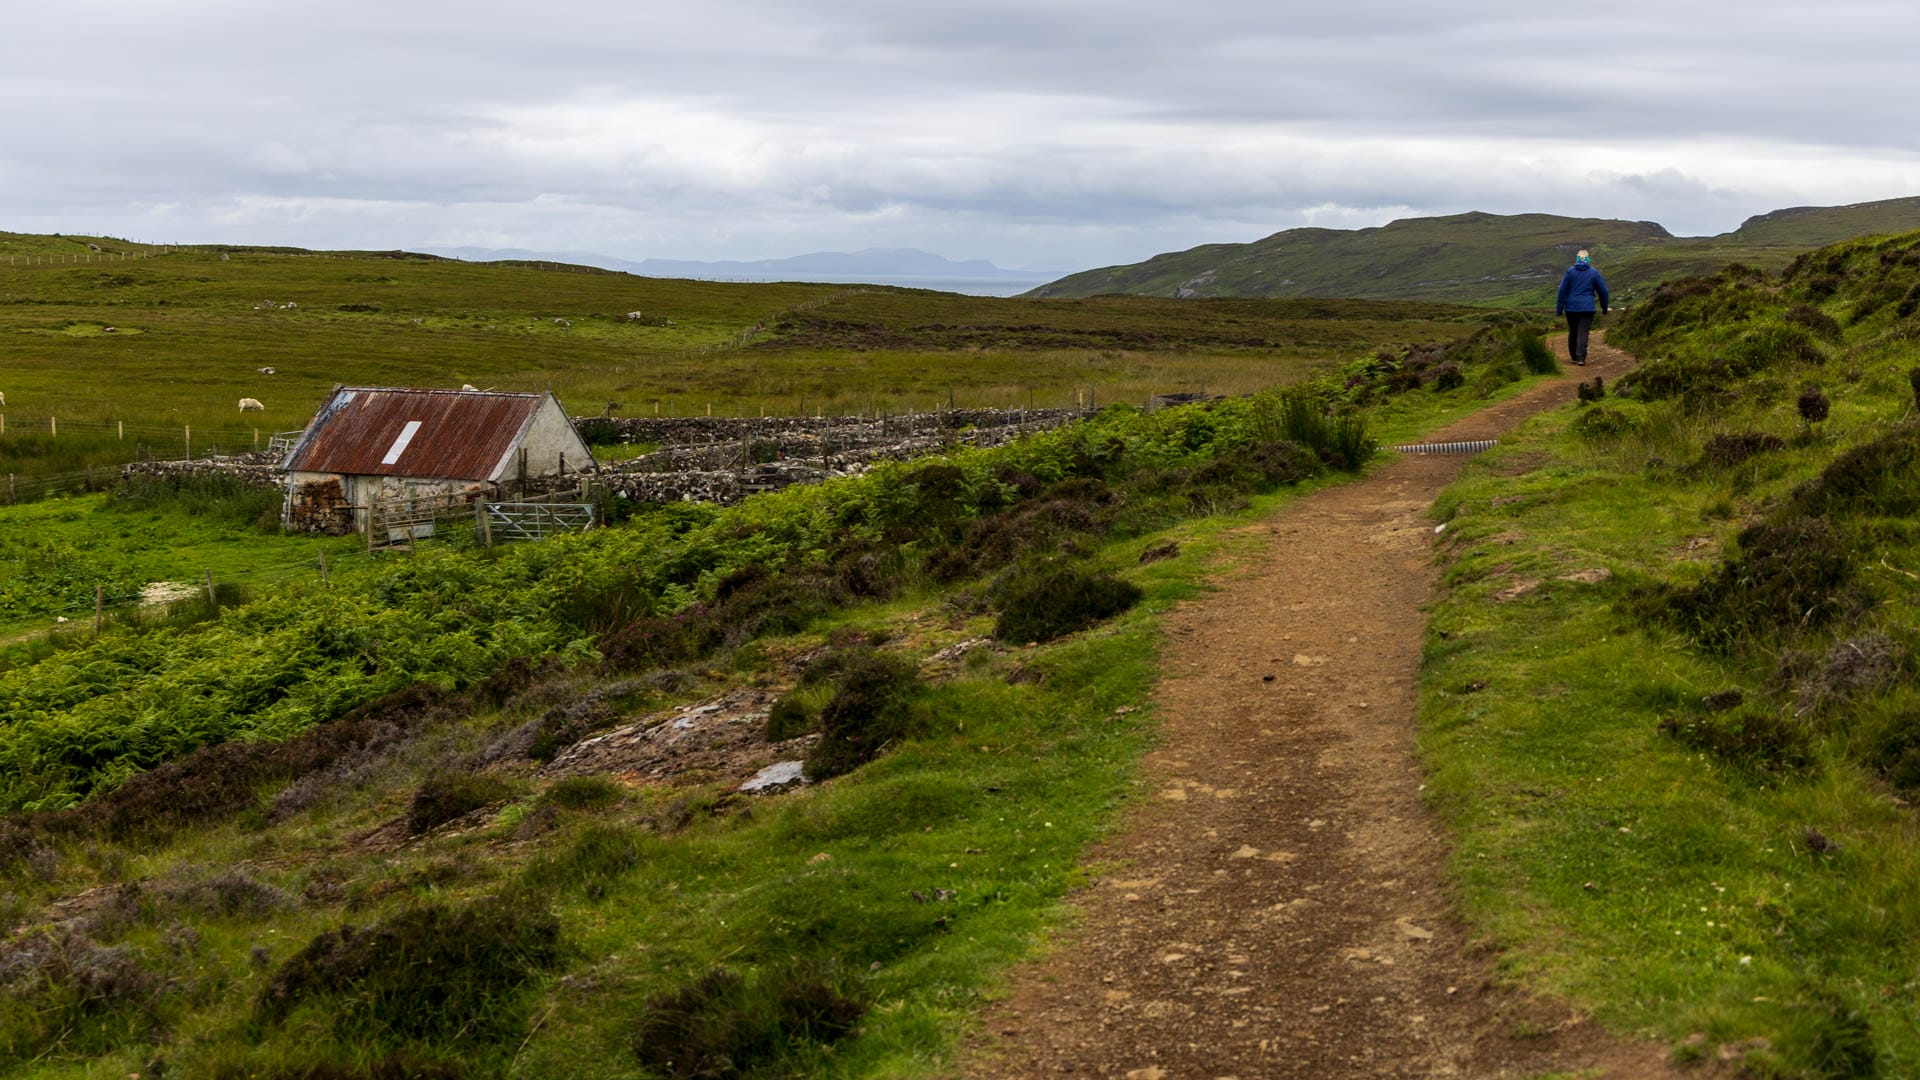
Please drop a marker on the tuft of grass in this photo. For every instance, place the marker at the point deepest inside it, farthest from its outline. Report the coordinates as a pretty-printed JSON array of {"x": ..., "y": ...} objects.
[{"x": 1536, "y": 356}]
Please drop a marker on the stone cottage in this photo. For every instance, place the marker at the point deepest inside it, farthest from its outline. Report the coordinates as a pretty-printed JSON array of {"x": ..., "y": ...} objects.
[{"x": 373, "y": 447}]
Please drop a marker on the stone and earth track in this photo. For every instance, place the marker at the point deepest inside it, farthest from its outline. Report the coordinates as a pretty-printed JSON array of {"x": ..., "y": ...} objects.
[{"x": 1277, "y": 904}]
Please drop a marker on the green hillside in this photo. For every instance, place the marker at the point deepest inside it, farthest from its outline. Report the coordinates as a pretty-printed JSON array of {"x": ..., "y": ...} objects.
[
  {"x": 1669, "y": 703},
  {"x": 118, "y": 352},
  {"x": 1478, "y": 258}
]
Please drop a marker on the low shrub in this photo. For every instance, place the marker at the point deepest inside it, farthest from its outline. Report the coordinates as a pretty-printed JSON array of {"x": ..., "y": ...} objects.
[
  {"x": 1846, "y": 671},
  {"x": 1752, "y": 738},
  {"x": 429, "y": 972},
  {"x": 223, "y": 779},
  {"x": 1729, "y": 449},
  {"x": 1053, "y": 521},
  {"x": 870, "y": 709},
  {"x": 1814, "y": 321},
  {"x": 1813, "y": 405},
  {"x": 1603, "y": 422},
  {"x": 1054, "y": 601},
  {"x": 725, "y": 1025},
  {"x": 1880, "y": 476},
  {"x": 227, "y": 893},
  {"x": 444, "y": 797},
  {"x": 1786, "y": 576},
  {"x": 64, "y": 990}
]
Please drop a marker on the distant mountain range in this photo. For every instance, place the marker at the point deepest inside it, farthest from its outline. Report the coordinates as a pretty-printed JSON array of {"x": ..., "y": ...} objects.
[
  {"x": 1479, "y": 258},
  {"x": 908, "y": 267}
]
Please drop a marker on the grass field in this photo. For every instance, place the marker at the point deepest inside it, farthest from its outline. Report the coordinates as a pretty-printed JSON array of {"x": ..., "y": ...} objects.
[{"x": 108, "y": 361}]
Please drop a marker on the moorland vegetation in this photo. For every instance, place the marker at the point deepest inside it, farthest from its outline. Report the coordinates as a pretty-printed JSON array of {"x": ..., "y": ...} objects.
[
  {"x": 341, "y": 831},
  {"x": 1669, "y": 697}
]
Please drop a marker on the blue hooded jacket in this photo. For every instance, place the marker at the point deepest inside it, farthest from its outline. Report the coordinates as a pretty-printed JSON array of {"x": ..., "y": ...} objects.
[{"x": 1578, "y": 289}]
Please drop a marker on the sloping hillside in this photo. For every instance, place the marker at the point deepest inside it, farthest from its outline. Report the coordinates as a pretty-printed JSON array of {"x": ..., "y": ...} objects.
[
  {"x": 1669, "y": 704},
  {"x": 1479, "y": 258}
]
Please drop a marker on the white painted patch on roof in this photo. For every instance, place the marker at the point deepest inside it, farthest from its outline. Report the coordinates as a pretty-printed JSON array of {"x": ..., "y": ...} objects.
[{"x": 400, "y": 444}]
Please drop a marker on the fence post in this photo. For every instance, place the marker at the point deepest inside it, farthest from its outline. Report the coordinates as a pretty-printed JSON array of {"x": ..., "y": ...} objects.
[
  {"x": 53, "y": 425},
  {"x": 212, "y": 601},
  {"x": 122, "y": 424},
  {"x": 324, "y": 583},
  {"x": 480, "y": 523},
  {"x": 189, "y": 442},
  {"x": 99, "y": 608}
]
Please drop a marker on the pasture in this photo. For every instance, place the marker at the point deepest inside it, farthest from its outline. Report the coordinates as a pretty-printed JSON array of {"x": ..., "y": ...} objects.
[{"x": 109, "y": 360}]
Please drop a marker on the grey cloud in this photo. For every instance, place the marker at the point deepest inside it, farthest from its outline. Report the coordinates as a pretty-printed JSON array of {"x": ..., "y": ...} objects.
[{"x": 1056, "y": 135}]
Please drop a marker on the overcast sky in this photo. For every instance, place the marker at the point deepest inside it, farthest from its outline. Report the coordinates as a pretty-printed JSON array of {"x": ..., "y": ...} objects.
[{"x": 1057, "y": 135}]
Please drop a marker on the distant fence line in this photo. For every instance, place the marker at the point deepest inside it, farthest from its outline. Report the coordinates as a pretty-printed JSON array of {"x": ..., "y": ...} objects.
[
  {"x": 81, "y": 258},
  {"x": 53, "y": 426}
]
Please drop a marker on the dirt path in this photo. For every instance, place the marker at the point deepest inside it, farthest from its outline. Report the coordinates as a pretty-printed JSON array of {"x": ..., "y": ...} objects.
[{"x": 1278, "y": 908}]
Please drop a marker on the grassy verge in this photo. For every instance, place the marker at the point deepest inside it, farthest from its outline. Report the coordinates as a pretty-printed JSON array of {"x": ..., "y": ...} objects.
[{"x": 1665, "y": 698}]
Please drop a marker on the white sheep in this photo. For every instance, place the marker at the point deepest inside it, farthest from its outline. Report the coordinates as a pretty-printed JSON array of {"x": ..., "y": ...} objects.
[
  {"x": 248, "y": 404},
  {"x": 469, "y": 387},
  {"x": 564, "y": 324},
  {"x": 264, "y": 370},
  {"x": 3, "y": 401}
]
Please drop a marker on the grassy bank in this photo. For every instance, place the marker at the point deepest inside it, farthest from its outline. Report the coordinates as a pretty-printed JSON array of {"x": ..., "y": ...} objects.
[{"x": 1667, "y": 697}]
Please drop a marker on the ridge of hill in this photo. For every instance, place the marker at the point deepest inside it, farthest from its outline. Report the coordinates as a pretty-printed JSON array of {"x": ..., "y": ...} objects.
[{"x": 1479, "y": 258}]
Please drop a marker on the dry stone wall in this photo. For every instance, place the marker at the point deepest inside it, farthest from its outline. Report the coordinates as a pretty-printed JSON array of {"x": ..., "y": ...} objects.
[
  {"x": 702, "y": 459},
  {"x": 258, "y": 470},
  {"x": 670, "y": 431}
]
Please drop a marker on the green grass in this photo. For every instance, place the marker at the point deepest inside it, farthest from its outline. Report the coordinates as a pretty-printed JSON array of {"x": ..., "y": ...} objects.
[
  {"x": 55, "y": 553},
  {"x": 909, "y": 883},
  {"x": 191, "y": 326},
  {"x": 1620, "y": 852}
]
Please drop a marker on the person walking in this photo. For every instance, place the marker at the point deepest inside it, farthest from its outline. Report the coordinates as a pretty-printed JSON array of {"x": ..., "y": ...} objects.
[{"x": 1580, "y": 288}]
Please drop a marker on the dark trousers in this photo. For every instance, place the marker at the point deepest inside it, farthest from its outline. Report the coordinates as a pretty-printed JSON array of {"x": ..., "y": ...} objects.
[{"x": 1578, "y": 323}]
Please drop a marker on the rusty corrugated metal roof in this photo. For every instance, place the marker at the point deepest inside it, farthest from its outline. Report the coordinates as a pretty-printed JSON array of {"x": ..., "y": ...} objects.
[{"x": 443, "y": 434}]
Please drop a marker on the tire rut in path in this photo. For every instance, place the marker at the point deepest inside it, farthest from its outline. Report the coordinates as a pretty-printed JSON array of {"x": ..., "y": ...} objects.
[{"x": 1278, "y": 903}]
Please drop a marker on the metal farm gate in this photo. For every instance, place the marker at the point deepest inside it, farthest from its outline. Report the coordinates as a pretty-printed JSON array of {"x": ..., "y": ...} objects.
[{"x": 532, "y": 520}]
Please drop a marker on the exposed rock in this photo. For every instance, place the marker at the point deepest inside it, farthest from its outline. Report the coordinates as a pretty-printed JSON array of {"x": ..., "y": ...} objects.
[{"x": 775, "y": 777}]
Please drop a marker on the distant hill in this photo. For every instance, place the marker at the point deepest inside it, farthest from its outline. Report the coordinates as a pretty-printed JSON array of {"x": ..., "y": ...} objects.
[
  {"x": 907, "y": 267},
  {"x": 1478, "y": 258}
]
